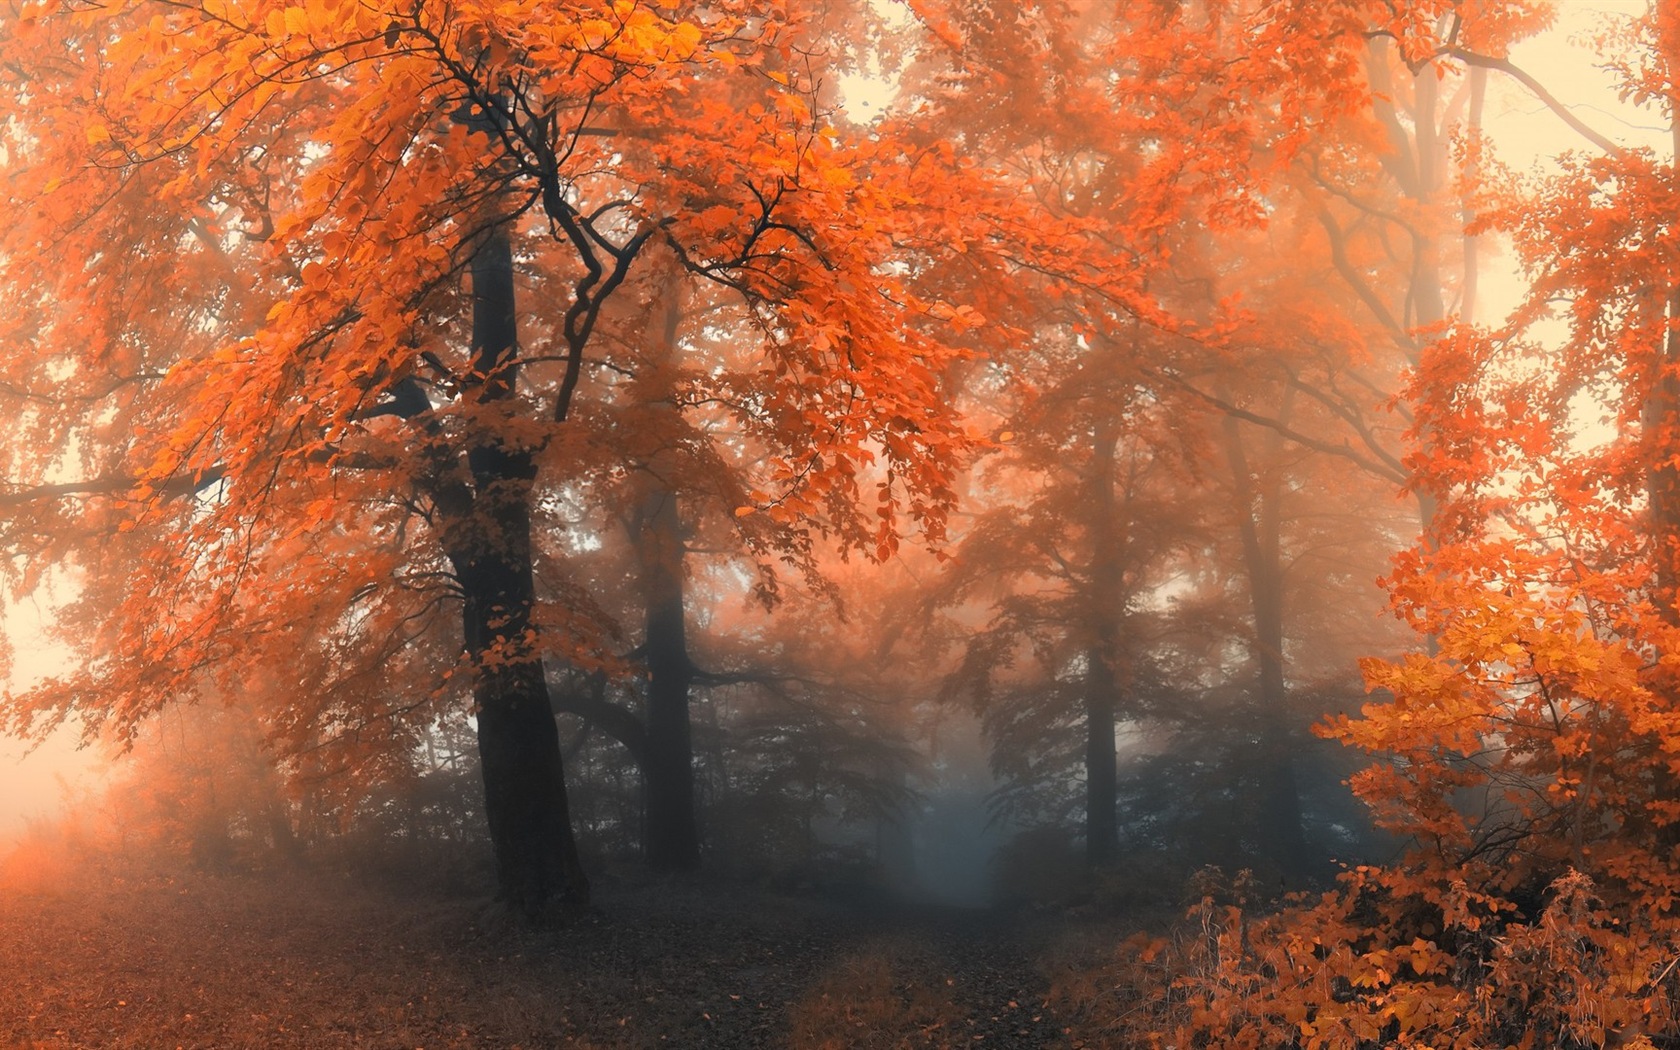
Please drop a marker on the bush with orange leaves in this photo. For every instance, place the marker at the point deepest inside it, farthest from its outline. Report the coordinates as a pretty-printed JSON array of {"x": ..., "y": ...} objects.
[{"x": 1379, "y": 962}]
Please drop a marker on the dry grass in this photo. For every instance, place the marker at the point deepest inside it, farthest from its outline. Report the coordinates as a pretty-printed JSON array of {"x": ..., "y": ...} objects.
[{"x": 872, "y": 1000}]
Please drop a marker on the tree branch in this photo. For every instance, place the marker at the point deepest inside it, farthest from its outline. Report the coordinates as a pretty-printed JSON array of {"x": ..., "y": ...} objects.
[
  {"x": 111, "y": 485},
  {"x": 1344, "y": 450},
  {"x": 1515, "y": 72},
  {"x": 593, "y": 706}
]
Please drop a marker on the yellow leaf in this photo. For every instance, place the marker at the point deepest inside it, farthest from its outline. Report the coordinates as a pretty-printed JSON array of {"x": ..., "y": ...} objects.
[
  {"x": 98, "y": 134},
  {"x": 297, "y": 21},
  {"x": 780, "y": 78}
]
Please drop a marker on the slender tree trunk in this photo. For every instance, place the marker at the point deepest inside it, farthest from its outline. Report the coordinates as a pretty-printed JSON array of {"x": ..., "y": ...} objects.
[
  {"x": 660, "y": 739},
  {"x": 1471, "y": 177},
  {"x": 1102, "y": 831},
  {"x": 1662, "y": 428},
  {"x": 1662, "y": 480},
  {"x": 673, "y": 839},
  {"x": 1428, "y": 303},
  {"x": 487, "y": 537},
  {"x": 1259, "y": 521},
  {"x": 1661, "y": 423},
  {"x": 1102, "y": 657}
]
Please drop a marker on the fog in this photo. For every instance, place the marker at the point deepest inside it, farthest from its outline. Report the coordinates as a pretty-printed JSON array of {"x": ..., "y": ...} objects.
[
  {"x": 973, "y": 524},
  {"x": 955, "y": 834},
  {"x": 41, "y": 780}
]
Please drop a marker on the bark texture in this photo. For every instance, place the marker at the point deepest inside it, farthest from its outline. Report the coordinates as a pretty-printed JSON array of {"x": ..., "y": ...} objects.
[{"x": 486, "y": 519}]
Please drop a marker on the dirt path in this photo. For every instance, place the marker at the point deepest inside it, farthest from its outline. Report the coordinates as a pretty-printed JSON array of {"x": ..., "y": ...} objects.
[{"x": 312, "y": 961}]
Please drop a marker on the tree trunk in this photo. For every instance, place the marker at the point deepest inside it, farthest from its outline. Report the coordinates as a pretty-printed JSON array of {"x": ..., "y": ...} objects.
[
  {"x": 1102, "y": 831},
  {"x": 1662, "y": 427},
  {"x": 673, "y": 839},
  {"x": 1470, "y": 178},
  {"x": 1259, "y": 521},
  {"x": 487, "y": 537},
  {"x": 1102, "y": 678},
  {"x": 1661, "y": 423},
  {"x": 1429, "y": 304},
  {"x": 1662, "y": 480}
]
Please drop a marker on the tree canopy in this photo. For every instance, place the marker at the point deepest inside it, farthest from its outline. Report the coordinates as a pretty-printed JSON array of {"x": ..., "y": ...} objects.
[{"x": 394, "y": 376}]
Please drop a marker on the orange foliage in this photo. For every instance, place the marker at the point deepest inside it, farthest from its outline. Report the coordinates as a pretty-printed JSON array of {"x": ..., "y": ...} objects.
[
  {"x": 238, "y": 261},
  {"x": 259, "y": 216},
  {"x": 1529, "y": 752}
]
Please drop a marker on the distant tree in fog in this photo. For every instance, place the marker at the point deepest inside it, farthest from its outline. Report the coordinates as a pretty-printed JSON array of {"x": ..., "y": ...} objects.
[{"x": 1089, "y": 509}]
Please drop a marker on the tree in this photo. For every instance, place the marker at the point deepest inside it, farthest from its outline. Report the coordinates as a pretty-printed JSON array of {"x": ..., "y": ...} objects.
[
  {"x": 1526, "y": 748},
  {"x": 1548, "y": 583},
  {"x": 1085, "y": 512},
  {"x": 1194, "y": 154},
  {"x": 267, "y": 216},
  {"x": 799, "y": 718}
]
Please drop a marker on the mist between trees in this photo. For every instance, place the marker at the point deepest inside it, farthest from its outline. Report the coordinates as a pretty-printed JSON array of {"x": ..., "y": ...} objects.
[{"x": 559, "y": 438}]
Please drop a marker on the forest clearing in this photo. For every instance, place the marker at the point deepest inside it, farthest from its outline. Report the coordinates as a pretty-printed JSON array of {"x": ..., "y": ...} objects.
[
  {"x": 145, "y": 959},
  {"x": 831, "y": 523}
]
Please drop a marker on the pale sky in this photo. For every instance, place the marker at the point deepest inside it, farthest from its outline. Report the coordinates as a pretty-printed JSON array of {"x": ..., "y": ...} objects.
[
  {"x": 1526, "y": 134},
  {"x": 1560, "y": 59}
]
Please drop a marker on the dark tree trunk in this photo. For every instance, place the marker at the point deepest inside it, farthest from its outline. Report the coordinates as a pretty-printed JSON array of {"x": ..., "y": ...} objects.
[
  {"x": 1259, "y": 521},
  {"x": 1102, "y": 678},
  {"x": 1102, "y": 831},
  {"x": 673, "y": 840},
  {"x": 487, "y": 536},
  {"x": 672, "y": 837},
  {"x": 660, "y": 739}
]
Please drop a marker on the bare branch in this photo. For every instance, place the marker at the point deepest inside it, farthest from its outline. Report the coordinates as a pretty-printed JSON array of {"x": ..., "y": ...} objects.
[{"x": 1515, "y": 72}]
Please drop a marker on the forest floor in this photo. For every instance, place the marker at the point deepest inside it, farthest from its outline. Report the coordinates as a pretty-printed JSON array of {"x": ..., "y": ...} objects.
[{"x": 98, "y": 955}]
